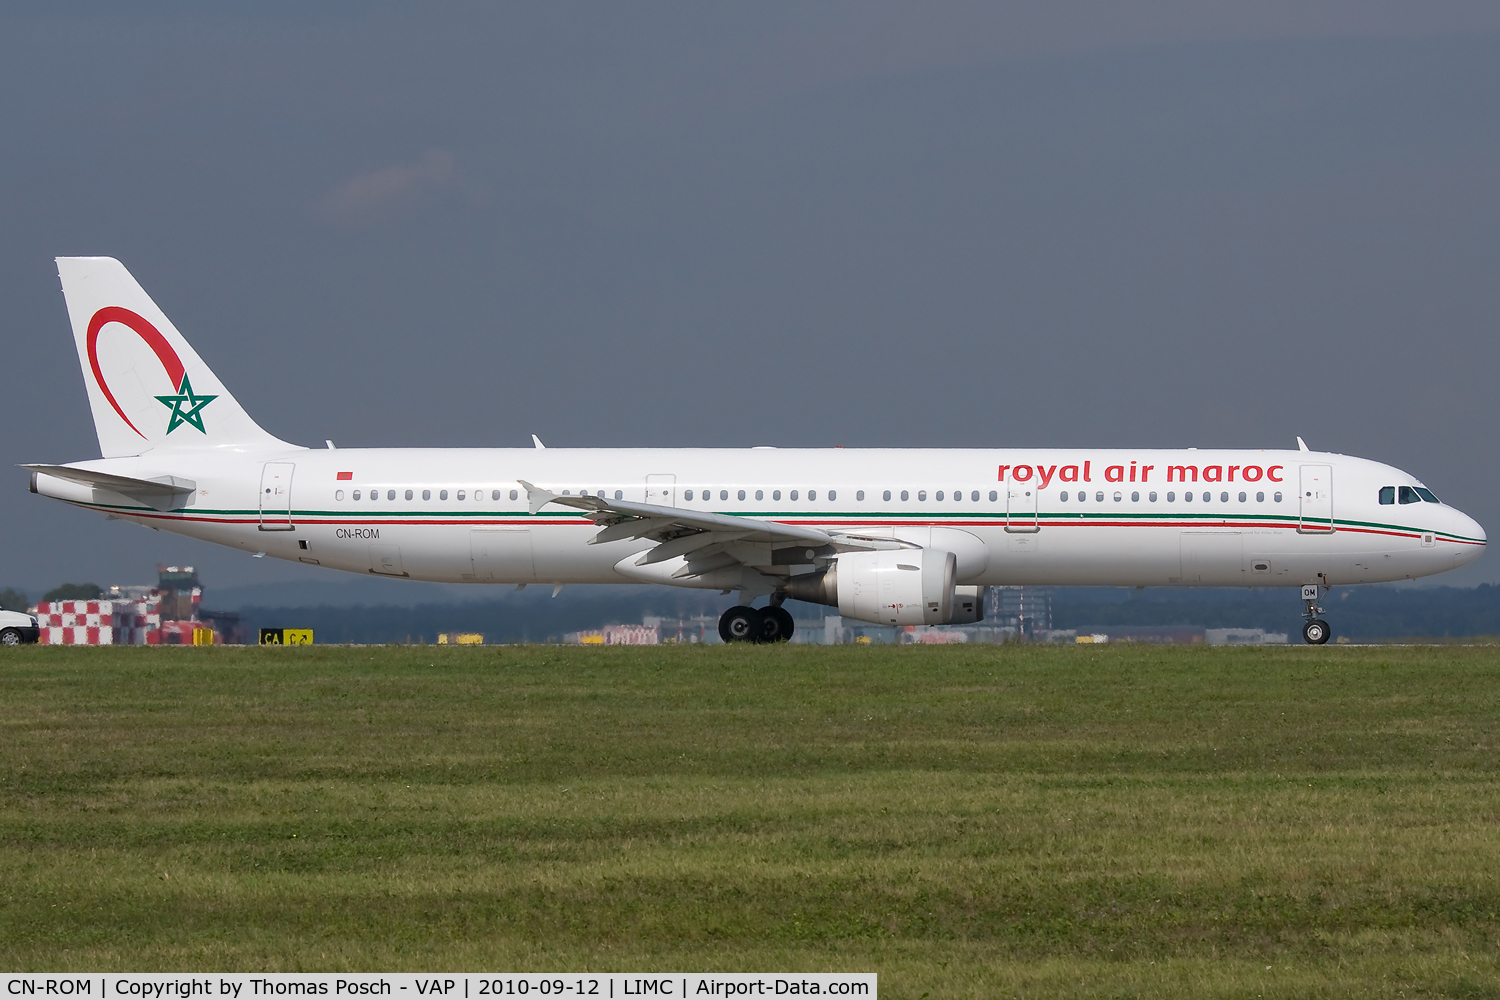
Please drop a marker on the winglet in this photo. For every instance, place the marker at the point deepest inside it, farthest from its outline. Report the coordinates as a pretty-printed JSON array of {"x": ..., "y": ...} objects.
[
  {"x": 538, "y": 442},
  {"x": 536, "y": 497},
  {"x": 1302, "y": 445}
]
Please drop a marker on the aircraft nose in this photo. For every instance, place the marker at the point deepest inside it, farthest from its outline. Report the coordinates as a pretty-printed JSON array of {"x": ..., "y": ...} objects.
[{"x": 1472, "y": 538}]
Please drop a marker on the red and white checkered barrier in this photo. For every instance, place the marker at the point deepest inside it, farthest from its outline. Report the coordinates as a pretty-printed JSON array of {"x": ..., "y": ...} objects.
[{"x": 99, "y": 623}]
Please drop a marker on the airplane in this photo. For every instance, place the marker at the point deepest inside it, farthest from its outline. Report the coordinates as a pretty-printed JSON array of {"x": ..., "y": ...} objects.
[{"x": 893, "y": 537}]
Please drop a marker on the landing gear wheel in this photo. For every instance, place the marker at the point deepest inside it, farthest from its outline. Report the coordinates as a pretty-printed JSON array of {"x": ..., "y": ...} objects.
[
  {"x": 1315, "y": 632},
  {"x": 777, "y": 625},
  {"x": 10, "y": 637},
  {"x": 740, "y": 624}
]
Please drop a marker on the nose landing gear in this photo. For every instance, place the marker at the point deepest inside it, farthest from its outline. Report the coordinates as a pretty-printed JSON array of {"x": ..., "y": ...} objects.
[{"x": 1315, "y": 631}]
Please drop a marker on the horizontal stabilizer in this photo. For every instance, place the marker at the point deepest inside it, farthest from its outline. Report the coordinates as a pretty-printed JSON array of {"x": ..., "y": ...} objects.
[{"x": 161, "y": 492}]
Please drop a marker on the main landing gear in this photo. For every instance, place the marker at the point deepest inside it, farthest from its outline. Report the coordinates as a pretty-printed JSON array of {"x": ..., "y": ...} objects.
[
  {"x": 745, "y": 624},
  {"x": 1315, "y": 632}
]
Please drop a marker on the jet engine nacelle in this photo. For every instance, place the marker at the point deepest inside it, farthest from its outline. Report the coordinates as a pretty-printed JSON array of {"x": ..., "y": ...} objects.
[
  {"x": 968, "y": 605},
  {"x": 886, "y": 587}
]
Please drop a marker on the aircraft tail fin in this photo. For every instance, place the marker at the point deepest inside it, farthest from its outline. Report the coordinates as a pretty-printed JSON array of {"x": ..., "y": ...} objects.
[{"x": 147, "y": 386}]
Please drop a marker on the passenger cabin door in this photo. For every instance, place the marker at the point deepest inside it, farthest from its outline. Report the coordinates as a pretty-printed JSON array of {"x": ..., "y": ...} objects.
[
  {"x": 276, "y": 496},
  {"x": 661, "y": 490},
  {"x": 1021, "y": 507},
  {"x": 1315, "y": 500}
]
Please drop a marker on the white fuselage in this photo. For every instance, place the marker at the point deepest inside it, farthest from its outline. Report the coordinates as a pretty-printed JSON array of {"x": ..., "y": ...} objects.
[{"x": 1140, "y": 518}]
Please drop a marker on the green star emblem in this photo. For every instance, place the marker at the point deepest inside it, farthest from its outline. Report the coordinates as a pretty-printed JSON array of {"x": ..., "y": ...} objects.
[{"x": 186, "y": 408}]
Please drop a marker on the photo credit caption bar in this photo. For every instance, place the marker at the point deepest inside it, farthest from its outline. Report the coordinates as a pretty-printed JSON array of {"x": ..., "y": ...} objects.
[{"x": 440, "y": 985}]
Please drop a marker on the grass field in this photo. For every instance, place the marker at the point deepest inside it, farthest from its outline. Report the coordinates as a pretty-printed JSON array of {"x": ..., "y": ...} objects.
[{"x": 1000, "y": 821}]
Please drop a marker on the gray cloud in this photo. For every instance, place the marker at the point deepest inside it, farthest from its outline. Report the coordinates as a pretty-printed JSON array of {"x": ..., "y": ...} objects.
[{"x": 377, "y": 194}]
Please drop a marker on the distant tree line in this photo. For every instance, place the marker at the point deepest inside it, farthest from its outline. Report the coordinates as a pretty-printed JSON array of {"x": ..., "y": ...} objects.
[
  {"x": 16, "y": 600},
  {"x": 1359, "y": 613}
]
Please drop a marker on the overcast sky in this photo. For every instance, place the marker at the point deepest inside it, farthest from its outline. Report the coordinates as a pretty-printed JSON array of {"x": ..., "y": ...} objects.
[{"x": 864, "y": 224}]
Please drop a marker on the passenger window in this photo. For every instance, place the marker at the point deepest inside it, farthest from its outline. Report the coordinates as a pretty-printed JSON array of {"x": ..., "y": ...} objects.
[
  {"x": 442, "y": 494},
  {"x": 775, "y": 494},
  {"x": 1187, "y": 497},
  {"x": 742, "y": 494},
  {"x": 688, "y": 495},
  {"x": 515, "y": 495},
  {"x": 1171, "y": 497},
  {"x": 1151, "y": 496},
  {"x": 833, "y": 494},
  {"x": 408, "y": 494},
  {"x": 859, "y": 495},
  {"x": 390, "y": 494},
  {"x": 1387, "y": 494},
  {"x": 905, "y": 495},
  {"x": 1277, "y": 498},
  {"x": 1242, "y": 498},
  {"x": 495, "y": 494},
  {"x": 760, "y": 494},
  {"x": 1099, "y": 497},
  {"x": 1223, "y": 498},
  {"x": 1260, "y": 498},
  {"x": 1409, "y": 495},
  {"x": 939, "y": 494},
  {"x": 994, "y": 496},
  {"x": 1063, "y": 496},
  {"x": 339, "y": 495},
  {"x": 426, "y": 494},
  {"x": 1135, "y": 497},
  {"x": 479, "y": 495},
  {"x": 886, "y": 495},
  {"x": 921, "y": 494},
  {"x": 974, "y": 496},
  {"x": 793, "y": 494},
  {"x": 1082, "y": 496},
  {"x": 812, "y": 494},
  {"x": 1118, "y": 496},
  {"x": 723, "y": 494},
  {"x": 460, "y": 494},
  {"x": 1427, "y": 495},
  {"x": 356, "y": 494},
  {"x": 619, "y": 494}
]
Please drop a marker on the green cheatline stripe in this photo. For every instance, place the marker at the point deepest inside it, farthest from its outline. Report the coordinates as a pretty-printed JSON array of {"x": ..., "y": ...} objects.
[{"x": 855, "y": 517}]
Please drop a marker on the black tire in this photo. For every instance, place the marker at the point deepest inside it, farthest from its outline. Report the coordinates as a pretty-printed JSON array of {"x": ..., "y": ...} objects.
[
  {"x": 777, "y": 625},
  {"x": 10, "y": 637},
  {"x": 740, "y": 624},
  {"x": 1316, "y": 632}
]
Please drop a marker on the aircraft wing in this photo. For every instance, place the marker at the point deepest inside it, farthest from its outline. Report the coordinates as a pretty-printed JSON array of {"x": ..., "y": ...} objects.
[{"x": 706, "y": 541}]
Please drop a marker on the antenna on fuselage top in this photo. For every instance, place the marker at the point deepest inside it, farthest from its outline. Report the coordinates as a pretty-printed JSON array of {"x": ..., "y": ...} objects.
[
  {"x": 538, "y": 442},
  {"x": 1302, "y": 445}
]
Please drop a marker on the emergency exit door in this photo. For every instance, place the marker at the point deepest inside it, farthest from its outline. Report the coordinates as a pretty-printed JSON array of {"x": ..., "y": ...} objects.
[
  {"x": 276, "y": 496},
  {"x": 661, "y": 490},
  {"x": 1021, "y": 507},
  {"x": 1315, "y": 500}
]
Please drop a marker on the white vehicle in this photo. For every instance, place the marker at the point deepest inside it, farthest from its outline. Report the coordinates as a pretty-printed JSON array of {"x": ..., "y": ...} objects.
[
  {"x": 895, "y": 537},
  {"x": 17, "y": 627}
]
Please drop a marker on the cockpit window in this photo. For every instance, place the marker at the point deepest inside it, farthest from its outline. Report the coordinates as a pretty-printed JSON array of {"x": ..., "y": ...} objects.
[
  {"x": 1387, "y": 494},
  {"x": 1409, "y": 495},
  {"x": 1427, "y": 495}
]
